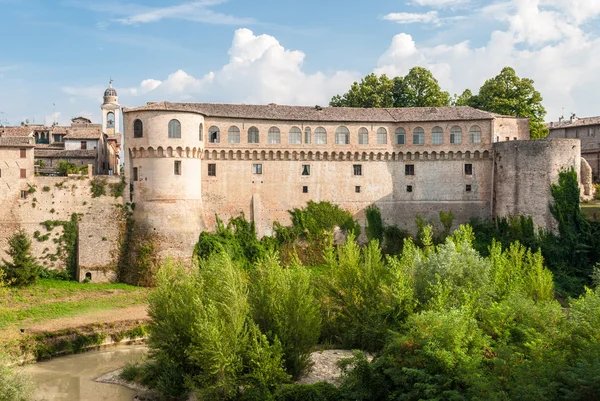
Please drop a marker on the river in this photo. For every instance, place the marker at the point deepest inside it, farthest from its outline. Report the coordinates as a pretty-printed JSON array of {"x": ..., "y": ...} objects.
[{"x": 71, "y": 378}]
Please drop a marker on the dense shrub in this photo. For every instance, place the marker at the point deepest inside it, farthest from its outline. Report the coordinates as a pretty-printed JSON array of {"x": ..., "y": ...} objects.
[
  {"x": 22, "y": 269},
  {"x": 284, "y": 307},
  {"x": 13, "y": 386},
  {"x": 308, "y": 392}
]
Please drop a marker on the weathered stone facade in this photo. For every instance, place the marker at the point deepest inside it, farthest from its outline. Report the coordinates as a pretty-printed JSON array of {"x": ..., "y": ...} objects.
[{"x": 218, "y": 166}]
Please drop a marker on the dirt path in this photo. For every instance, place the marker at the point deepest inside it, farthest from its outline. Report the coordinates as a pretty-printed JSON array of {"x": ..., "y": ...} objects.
[{"x": 138, "y": 312}]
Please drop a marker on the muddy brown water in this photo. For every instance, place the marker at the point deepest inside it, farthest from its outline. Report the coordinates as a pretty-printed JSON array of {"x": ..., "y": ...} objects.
[{"x": 71, "y": 378}]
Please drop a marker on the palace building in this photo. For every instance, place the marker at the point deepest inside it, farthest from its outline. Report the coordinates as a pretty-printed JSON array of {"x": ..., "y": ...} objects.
[{"x": 189, "y": 162}]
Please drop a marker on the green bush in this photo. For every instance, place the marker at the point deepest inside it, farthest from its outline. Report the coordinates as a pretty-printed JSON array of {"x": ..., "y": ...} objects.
[
  {"x": 23, "y": 269},
  {"x": 308, "y": 392},
  {"x": 202, "y": 337},
  {"x": 375, "y": 228},
  {"x": 362, "y": 297},
  {"x": 98, "y": 187},
  {"x": 284, "y": 307},
  {"x": 13, "y": 386}
]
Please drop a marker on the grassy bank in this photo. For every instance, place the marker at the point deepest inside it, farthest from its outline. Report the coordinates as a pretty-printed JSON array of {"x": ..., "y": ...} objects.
[{"x": 51, "y": 305}]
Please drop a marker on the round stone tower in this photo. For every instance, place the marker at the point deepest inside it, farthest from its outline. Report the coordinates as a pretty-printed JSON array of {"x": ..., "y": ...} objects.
[{"x": 162, "y": 163}]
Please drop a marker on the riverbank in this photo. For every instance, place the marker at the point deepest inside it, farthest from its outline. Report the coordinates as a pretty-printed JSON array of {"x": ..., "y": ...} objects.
[{"x": 55, "y": 317}]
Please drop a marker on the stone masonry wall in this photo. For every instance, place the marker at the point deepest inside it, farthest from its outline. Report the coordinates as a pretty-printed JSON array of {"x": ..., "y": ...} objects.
[{"x": 57, "y": 198}]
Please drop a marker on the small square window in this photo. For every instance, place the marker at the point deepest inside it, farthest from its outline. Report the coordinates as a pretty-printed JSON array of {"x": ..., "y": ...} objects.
[
  {"x": 468, "y": 188},
  {"x": 357, "y": 189},
  {"x": 177, "y": 167},
  {"x": 23, "y": 173},
  {"x": 468, "y": 169},
  {"x": 257, "y": 169},
  {"x": 409, "y": 188},
  {"x": 409, "y": 169},
  {"x": 305, "y": 189},
  {"x": 212, "y": 170},
  {"x": 135, "y": 174},
  {"x": 23, "y": 194},
  {"x": 357, "y": 169},
  {"x": 305, "y": 169},
  {"x": 23, "y": 153}
]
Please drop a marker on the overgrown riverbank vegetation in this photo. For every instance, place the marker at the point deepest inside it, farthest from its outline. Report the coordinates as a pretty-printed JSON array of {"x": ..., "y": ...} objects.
[{"x": 465, "y": 315}]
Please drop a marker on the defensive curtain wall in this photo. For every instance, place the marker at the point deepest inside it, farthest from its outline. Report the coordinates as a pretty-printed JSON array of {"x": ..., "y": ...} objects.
[
  {"x": 265, "y": 160},
  {"x": 48, "y": 203}
]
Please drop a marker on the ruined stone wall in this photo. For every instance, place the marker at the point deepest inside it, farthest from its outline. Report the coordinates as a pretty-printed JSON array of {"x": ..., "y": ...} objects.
[
  {"x": 524, "y": 172},
  {"x": 56, "y": 199}
]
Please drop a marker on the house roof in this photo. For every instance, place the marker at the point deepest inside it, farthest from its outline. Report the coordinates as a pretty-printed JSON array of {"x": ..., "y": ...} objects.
[
  {"x": 579, "y": 122},
  {"x": 90, "y": 132},
  {"x": 16, "y": 141},
  {"x": 15, "y": 131},
  {"x": 65, "y": 154},
  {"x": 325, "y": 114}
]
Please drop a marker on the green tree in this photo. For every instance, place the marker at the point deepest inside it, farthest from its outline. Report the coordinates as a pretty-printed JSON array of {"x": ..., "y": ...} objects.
[
  {"x": 372, "y": 91},
  {"x": 464, "y": 99},
  {"x": 418, "y": 88},
  {"x": 23, "y": 269},
  {"x": 507, "y": 94}
]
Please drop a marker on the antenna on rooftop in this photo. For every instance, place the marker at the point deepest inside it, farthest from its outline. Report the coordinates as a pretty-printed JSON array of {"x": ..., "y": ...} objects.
[{"x": 54, "y": 114}]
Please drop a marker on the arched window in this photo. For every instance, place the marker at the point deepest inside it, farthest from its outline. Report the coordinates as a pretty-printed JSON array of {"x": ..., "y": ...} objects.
[
  {"x": 456, "y": 135},
  {"x": 174, "y": 129},
  {"x": 233, "y": 134},
  {"x": 295, "y": 137},
  {"x": 320, "y": 136},
  {"x": 214, "y": 134},
  {"x": 363, "y": 136},
  {"x": 253, "y": 135},
  {"x": 475, "y": 134},
  {"x": 437, "y": 136},
  {"x": 110, "y": 120},
  {"x": 274, "y": 135},
  {"x": 381, "y": 136},
  {"x": 400, "y": 136},
  {"x": 201, "y": 132},
  {"x": 138, "y": 129},
  {"x": 419, "y": 136},
  {"x": 307, "y": 135},
  {"x": 342, "y": 136}
]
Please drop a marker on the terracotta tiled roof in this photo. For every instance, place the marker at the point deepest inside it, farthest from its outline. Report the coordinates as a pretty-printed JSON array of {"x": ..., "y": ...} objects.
[
  {"x": 13, "y": 141},
  {"x": 65, "y": 154},
  {"x": 580, "y": 122},
  {"x": 90, "y": 132},
  {"x": 333, "y": 114},
  {"x": 15, "y": 131},
  {"x": 57, "y": 146}
]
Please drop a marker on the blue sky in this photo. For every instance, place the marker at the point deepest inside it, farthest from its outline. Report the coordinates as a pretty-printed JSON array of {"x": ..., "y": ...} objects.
[{"x": 288, "y": 52}]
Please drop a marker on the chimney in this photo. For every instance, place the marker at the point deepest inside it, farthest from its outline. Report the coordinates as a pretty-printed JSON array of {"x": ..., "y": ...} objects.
[
  {"x": 573, "y": 117},
  {"x": 551, "y": 124}
]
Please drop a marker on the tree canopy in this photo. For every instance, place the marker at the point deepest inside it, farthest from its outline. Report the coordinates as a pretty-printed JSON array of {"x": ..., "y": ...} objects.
[
  {"x": 418, "y": 88},
  {"x": 510, "y": 95},
  {"x": 505, "y": 94}
]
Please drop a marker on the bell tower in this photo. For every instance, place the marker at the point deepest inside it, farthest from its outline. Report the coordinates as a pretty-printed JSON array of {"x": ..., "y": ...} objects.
[{"x": 111, "y": 112}]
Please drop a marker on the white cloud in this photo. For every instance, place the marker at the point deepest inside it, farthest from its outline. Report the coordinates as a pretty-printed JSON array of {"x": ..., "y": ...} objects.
[
  {"x": 198, "y": 11},
  {"x": 259, "y": 70},
  {"x": 412, "y": 18},
  {"x": 539, "y": 41},
  {"x": 439, "y": 3}
]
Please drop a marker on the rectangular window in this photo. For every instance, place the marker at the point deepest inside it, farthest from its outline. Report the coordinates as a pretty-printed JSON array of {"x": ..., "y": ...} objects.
[
  {"x": 212, "y": 170},
  {"x": 508, "y": 138},
  {"x": 418, "y": 139},
  {"x": 357, "y": 189},
  {"x": 257, "y": 169},
  {"x": 363, "y": 137},
  {"x": 57, "y": 138},
  {"x": 401, "y": 139},
  {"x": 23, "y": 194},
  {"x": 357, "y": 168},
  {"x": 307, "y": 135},
  {"x": 305, "y": 169},
  {"x": 409, "y": 169},
  {"x": 468, "y": 188},
  {"x": 437, "y": 138},
  {"x": 23, "y": 153},
  {"x": 135, "y": 174},
  {"x": 409, "y": 188},
  {"x": 83, "y": 145},
  {"x": 305, "y": 189},
  {"x": 23, "y": 173},
  {"x": 468, "y": 169},
  {"x": 177, "y": 167},
  {"x": 342, "y": 138}
]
